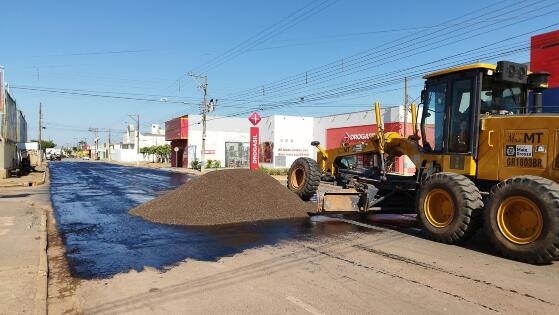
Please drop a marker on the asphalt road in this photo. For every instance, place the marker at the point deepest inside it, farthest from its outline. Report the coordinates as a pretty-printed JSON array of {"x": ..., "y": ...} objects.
[{"x": 321, "y": 266}]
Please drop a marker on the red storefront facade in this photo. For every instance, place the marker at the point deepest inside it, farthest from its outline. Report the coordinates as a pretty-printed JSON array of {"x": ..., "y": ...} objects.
[
  {"x": 355, "y": 134},
  {"x": 176, "y": 131},
  {"x": 544, "y": 56}
]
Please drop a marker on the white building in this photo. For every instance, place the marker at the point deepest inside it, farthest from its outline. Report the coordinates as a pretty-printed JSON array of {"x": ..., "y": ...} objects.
[{"x": 127, "y": 151}]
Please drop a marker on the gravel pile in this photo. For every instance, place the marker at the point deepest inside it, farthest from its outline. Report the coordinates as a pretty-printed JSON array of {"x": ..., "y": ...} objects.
[{"x": 225, "y": 197}]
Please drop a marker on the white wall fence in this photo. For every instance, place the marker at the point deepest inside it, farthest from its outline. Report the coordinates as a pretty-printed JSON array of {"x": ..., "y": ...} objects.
[{"x": 130, "y": 155}]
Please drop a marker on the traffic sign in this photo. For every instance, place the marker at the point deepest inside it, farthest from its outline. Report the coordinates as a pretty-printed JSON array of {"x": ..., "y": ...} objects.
[
  {"x": 254, "y": 118},
  {"x": 176, "y": 149}
]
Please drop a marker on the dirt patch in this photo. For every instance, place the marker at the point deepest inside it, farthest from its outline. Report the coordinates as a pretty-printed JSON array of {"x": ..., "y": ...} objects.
[
  {"x": 61, "y": 284},
  {"x": 225, "y": 197}
]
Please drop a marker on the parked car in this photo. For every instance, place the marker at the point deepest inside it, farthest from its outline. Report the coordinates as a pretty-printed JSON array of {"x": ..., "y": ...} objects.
[{"x": 85, "y": 157}]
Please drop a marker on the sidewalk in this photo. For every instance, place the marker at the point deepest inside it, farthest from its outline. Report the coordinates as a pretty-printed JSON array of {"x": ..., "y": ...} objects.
[
  {"x": 35, "y": 178},
  {"x": 23, "y": 262}
]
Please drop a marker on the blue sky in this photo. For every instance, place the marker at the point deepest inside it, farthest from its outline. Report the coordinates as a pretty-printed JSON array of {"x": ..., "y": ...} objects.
[{"x": 145, "y": 49}]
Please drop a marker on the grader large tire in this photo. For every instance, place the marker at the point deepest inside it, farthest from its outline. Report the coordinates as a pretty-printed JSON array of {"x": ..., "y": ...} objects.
[
  {"x": 303, "y": 178},
  {"x": 522, "y": 219},
  {"x": 449, "y": 207}
]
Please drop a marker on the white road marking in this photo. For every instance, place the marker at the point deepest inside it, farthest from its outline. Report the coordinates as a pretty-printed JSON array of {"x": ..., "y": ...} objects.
[
  {"x": 7, "y": 221},
  {"x": 303, "y": 305},
  {"x": 374, "y": 227}
]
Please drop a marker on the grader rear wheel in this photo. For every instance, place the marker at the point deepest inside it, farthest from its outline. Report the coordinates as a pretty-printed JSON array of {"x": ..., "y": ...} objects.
[
  {"x": 448, "y": 207},
  {"x": 522, "y": 219},
  {"x": 303, "y": 178}
]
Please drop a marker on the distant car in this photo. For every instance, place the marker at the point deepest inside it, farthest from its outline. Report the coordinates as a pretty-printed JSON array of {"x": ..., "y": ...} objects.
[{"x": 85, "y": 157}]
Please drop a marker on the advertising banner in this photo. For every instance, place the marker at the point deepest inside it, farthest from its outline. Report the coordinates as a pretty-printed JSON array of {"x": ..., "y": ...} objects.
[
  {"x": 266, "y": 152},
  {"x": 254, "y": 147}
]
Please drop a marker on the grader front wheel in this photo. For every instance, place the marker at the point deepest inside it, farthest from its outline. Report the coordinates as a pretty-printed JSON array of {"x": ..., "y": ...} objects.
[
  {"x": 303, "y": 178},
  {"x": 448, "y": 207},
  {"x": 522, "y": 219}
]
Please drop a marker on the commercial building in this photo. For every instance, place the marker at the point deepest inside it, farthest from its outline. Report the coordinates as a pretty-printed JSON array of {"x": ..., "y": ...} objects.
[
  {"x": 333, "y": 130},
  {"x": 283, "y": 139},
  {"x": 13, "y": 130},
  {"x": 227, "y": 140},
  {"x": 176, "y": 131}
]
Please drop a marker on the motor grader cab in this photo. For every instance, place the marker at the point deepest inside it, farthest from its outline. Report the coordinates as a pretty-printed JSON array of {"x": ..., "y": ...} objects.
[{"x": 484, "y": 154}]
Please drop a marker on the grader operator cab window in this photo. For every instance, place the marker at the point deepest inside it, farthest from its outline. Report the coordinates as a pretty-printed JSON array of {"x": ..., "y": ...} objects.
[
  {"x": 433, "y": 118},
  {"x": 457, "y": 117},
  {"x": 460, "y": 116},
  {"x": 502, "y": 98}
]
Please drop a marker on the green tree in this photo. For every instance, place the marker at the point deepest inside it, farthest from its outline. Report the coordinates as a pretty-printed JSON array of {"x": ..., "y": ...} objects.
[
  {"x": 161, "y": 152},
  {"x": 46, "y": 144}
]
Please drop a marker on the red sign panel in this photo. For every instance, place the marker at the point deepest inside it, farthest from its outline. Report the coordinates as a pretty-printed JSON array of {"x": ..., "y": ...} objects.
[
  {"x": 254, "y": 141},
  {"x": 351, "y": 135},
  {"x": 543, "y": 56},
  {"x": 254, "y": 118},
  {"x": 176, "y": 128}
]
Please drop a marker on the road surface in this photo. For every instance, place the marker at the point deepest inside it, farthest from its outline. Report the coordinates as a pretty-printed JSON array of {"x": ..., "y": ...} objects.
[{"x": 319, "y": 266}]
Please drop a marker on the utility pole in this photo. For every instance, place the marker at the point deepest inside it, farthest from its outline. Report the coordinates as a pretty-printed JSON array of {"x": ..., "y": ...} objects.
[
  {"x": 96, "y": 144},
  {"x": 137, "y": 119},
  {"x": 405, "y": 106},
  {"x": 39, "y": 149},
  {"x": 137, "y": 134},
  {"x": 96, "y": 141},
  {"x": 203, "y": 111},
  {"x": 109, "y": 147}
]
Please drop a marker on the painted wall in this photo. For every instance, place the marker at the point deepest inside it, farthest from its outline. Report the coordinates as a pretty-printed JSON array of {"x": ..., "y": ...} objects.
[
  {"x": 292, "y": 139},
  {"x": 218, "y": 131}
]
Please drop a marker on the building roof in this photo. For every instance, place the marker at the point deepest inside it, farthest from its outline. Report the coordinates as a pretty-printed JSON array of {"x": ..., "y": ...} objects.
[{"x": 460, "y": 68}]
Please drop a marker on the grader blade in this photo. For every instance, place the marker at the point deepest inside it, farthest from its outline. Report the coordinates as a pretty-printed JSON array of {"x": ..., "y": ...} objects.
[{"x": 339, "y": 202}]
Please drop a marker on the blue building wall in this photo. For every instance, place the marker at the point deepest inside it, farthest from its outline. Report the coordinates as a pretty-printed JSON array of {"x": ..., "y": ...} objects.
[{"x": 551, "y": 100}]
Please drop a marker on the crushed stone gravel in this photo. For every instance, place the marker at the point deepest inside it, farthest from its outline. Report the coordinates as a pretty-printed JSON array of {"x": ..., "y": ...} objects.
[{"x": 225, "y": 197}]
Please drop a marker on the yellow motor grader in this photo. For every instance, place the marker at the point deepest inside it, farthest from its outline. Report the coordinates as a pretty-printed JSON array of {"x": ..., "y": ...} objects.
[{"x": 484, "y": 155}]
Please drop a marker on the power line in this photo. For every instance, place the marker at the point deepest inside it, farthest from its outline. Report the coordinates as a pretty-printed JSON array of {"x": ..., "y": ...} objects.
[
  {"x": 69, "y": 92},
  {"x": 333, "y": 94},
  {"x": 496, "y": 42},
  {"x": 284, "y": 24},
  {"x": 359, "y": 59}
]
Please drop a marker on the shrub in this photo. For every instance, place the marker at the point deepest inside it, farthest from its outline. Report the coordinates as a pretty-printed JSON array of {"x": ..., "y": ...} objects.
[
  {"x": 195, "y": 164},
  {"x": 273, "y": 171}
]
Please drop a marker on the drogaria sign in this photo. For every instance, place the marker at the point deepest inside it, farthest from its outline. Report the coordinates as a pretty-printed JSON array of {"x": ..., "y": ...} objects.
[
  {"x": 351, "y": 135},
  {"x": 254, "y": 146},
  {"x": 357, "y": 136}
]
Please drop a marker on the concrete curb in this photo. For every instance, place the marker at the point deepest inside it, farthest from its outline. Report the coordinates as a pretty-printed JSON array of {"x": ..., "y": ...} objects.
[
  {"x": 42, "y": 181},
  {"x": 42, "y": 271}
]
